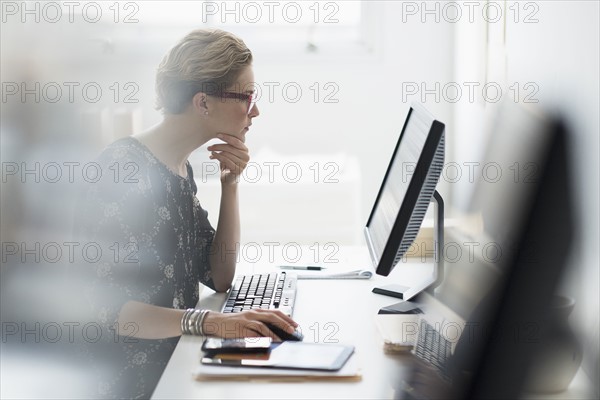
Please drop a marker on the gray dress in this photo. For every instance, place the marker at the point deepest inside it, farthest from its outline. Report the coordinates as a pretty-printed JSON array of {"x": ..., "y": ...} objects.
[{"x": 154, "y": 239}]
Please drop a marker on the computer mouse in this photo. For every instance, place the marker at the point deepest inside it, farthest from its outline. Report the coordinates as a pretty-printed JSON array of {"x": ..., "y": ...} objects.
[{"x": 285, "y": 336}]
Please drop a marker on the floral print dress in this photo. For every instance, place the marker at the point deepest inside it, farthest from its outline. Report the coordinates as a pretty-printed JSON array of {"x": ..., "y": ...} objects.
[{"x": 150, "y": 240}]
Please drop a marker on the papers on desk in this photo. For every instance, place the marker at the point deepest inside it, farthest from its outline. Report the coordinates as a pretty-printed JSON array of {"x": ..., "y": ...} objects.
[{"x": 356, "y": 274}]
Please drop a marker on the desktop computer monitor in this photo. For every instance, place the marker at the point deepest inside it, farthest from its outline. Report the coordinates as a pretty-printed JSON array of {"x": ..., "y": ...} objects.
[{"x": 405, "y": 194}]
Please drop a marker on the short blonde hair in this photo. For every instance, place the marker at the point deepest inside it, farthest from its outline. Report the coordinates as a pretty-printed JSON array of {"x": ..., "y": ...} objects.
[{"x": 206, "y": 61}]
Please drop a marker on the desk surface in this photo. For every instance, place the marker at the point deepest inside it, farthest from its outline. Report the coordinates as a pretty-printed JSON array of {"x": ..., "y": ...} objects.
[{"x": 328, "y": 311}]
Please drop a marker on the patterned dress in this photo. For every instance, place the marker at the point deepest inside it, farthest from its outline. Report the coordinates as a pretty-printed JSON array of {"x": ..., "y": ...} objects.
[{"x": 148, "y": 240}]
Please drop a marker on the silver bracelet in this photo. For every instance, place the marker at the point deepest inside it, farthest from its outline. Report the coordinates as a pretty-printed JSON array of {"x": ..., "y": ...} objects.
[
  {"x": 184, "y": 321},
  {"x": 195, "y": 324},
  {"x": 187, "y": 321},
  {"x": 200, "y": 322},
  {"x": 192, "y": 320}
]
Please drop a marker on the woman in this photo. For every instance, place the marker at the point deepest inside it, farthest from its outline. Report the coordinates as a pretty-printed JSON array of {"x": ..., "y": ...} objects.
[{"x": 156, "y": 240}]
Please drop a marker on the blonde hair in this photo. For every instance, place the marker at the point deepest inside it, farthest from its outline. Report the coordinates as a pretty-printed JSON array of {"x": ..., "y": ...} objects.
[{"x": 206, "y": 61}]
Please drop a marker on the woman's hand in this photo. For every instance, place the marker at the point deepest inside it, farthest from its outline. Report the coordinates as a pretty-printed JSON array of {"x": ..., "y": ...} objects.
[
  {"x": 247, "y": 324},
  {"x": 233, "y": 157}
]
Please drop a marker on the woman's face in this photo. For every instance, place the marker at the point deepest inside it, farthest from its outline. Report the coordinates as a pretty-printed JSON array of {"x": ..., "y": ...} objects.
[{"x": 230, "y": 115}]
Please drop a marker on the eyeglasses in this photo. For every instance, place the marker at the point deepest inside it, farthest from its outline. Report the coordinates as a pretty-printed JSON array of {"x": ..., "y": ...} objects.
[{"x": 250, "y": 98}]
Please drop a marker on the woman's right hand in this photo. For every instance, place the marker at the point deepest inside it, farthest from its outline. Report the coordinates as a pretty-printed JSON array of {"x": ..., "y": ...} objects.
[{"x": 249, "y": 323}]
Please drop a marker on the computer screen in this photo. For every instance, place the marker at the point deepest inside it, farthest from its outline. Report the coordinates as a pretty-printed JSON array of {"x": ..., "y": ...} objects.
[{"x": 407, "y": 189}]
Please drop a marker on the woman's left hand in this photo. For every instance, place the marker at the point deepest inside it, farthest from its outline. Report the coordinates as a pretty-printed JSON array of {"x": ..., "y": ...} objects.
[{"x": 233, "y": 157}]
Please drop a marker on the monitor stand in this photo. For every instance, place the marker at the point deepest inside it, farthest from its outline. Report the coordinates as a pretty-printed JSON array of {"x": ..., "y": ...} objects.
[{"x": 401, "y": 292}]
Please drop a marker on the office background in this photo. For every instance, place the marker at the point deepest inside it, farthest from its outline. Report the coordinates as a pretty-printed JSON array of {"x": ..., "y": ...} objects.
[{"x": 335, "y": 87}]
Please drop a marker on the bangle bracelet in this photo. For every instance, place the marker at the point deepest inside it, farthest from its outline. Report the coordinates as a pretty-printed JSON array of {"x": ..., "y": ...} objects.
[
  {"x": 197, "y": 331},
  {"x": 200, "y": 322},
  {"x": 181, "y": 323},
  {"x": 187, "y": 321},
  {"x": 184, "y": 321},
  {"x": 192, "y": 321}
]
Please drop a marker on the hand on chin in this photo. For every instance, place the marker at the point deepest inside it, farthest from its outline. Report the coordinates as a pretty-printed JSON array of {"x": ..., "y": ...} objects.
[{"x": 232, "y": 155}]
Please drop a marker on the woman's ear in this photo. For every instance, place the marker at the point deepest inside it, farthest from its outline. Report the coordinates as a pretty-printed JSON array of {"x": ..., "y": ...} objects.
[{"x": 199, "y": 103}]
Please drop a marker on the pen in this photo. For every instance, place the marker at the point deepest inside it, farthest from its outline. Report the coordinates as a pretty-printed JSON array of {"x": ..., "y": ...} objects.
[{"x": 302, "y": 267}]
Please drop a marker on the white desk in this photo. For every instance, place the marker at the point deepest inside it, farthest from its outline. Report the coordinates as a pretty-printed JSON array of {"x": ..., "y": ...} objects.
[{"x": 327, "y": 310}]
